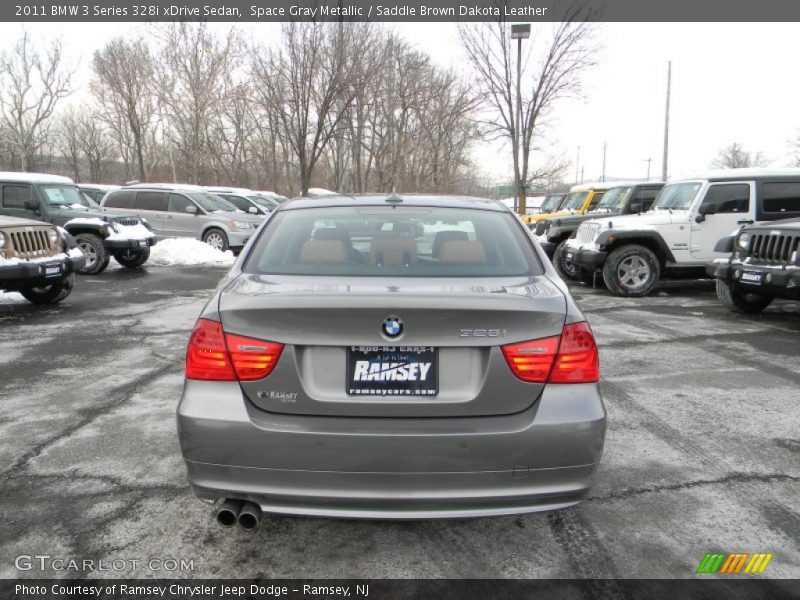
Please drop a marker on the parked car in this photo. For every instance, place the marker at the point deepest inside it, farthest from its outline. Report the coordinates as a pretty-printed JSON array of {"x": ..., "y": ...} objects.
[
  {"x": 96, "y": 191},
  {"x": 552, "y": 234},
  {"x": 678, "y": 237},
  {"x": 276, "y": 197},
  {"x": 580, "y": 199},
  {"x": 246, "y": 200},
  {"x": 58, "y": 201},
  {"x": 764, "y": 264},
  {"x": 389, "y": 377},
  {"x": 37, "y": 261},
  {"x": 179, "y": 210}
]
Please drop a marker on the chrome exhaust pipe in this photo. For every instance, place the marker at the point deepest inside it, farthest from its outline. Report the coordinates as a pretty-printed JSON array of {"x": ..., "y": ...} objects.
[
  {"x": 228, "y": 513},
  {"x": 250, "y": 515}
]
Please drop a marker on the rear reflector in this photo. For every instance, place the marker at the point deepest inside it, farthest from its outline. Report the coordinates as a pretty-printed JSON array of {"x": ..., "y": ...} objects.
[
  {"x": 569, "y": 358},
  {"x": 213, "y": 355}
]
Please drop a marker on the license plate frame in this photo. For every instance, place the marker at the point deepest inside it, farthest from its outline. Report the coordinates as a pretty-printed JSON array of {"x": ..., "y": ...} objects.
[
  {"x": 143, "y": 243},
  {"x": 401, "y": 371}
]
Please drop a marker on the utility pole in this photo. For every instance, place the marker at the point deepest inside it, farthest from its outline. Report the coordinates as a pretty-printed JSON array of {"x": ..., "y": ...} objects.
[
  {"x": 578, "y": 165},
  {"x": 666, "y": 125},
  {"x": 603, "y": 176},
  {"x": 648, "y": 161},
  {"x": 520, "y": 32}
]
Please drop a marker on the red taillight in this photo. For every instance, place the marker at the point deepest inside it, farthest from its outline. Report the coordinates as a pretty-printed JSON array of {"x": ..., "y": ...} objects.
[
  {"x": 532, "y": 361},
  {"x": 252, "y": 359},
  {"x": 213, "y": 355},
  {"x": 569, "y": 358},
  {"x": 577, "y": 360}
]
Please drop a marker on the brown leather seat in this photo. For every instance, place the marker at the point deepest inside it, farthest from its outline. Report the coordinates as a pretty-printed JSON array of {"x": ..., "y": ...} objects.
[
  {"x": 442, "y": 236},
  {"x": 393, "y": 251},
  {"x": 461, "y": 252},
  {"x": 323, "y": 252}
]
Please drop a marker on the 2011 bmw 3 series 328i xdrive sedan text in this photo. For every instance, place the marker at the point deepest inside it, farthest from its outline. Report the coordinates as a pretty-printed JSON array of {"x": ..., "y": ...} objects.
[{"x": 387, "y": 357}]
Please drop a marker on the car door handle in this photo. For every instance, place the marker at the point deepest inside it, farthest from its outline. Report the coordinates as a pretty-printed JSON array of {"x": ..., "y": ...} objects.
[{"x": 745, "y": 222}]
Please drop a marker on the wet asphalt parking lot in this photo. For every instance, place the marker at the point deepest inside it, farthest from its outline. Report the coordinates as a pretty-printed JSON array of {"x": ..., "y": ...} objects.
[{"x": 702, "y": 451}]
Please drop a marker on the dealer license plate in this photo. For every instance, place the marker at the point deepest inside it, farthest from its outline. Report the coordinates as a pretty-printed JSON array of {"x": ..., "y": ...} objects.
[
  {"x": 751, "y": 277},
  {"x": 392, "y": 371},
  {"x": 52, "y": 271}
]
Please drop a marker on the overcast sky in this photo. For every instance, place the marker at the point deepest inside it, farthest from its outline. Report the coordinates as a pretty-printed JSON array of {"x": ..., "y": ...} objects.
[{"x": 730, "y": 82}]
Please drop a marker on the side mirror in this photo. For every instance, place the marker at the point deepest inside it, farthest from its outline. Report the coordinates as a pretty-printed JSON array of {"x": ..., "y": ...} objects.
[
  {"x": 252, "y": 210},
  {"x": 191, "y": 209},
  {"x": 702, "y": 211},
  {"x": 31, "y": 204},
  {"x": 635, "y": 207}
]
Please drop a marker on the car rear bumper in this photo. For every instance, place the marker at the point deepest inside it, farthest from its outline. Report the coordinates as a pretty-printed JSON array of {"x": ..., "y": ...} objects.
[
  {"x": 539, "y": 459},
  {"x": 26, "y": 274},
  {"x": 780, "y": 281}
]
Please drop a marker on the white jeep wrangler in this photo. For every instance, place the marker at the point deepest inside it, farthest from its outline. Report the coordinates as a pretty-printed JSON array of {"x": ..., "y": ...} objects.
[{"x": 677, "y": 237}]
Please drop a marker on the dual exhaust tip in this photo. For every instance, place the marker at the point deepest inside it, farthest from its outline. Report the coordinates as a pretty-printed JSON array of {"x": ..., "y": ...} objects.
[{"x": 246, "y": 514}]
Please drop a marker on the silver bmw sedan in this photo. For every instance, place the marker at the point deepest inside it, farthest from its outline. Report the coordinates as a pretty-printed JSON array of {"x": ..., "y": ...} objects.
[{"x": 391, "y": 357}]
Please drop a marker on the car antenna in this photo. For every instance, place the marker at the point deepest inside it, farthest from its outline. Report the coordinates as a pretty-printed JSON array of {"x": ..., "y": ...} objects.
[{"x": 393, "y": 198}]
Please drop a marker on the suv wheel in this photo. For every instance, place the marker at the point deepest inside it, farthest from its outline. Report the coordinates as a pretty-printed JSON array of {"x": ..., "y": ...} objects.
[
  {"x": 567, "y": 269},
  {"x": 216, "y": 238},
  {"x": 130, "y": 259},
  {"x": 50, "y": 294},
  {"x": 96, "y": 255},
  {"x": 631, "y": 270},
  {"x": 737, "y": 300}
]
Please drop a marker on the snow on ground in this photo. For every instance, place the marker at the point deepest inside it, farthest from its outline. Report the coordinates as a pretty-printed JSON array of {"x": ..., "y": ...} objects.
[
  {"x": 187, "y": 251},
  {"x": 11, "y": 298}
]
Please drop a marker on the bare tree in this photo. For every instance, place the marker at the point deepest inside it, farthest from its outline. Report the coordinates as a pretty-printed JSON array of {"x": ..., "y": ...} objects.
[
  {"x": 125, "y": 75},
  {"x": 32, "y": 85},
  {"x": 734, "y": 156},
  {"x": 555, "y": 58},
  {"x": 309, "y": 81}
]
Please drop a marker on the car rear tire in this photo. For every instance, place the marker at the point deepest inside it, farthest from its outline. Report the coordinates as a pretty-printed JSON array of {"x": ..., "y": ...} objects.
[
  {"x": 737, "y": 300},
  {"x": 631, "y": 270},
  {"x": 216, "y": 238},
  {"x": 567, "y": 269},
  {"x": 96, "y": 255},
  {"x": 50, "y": 294},
  {"x": 131, "y": 259}
]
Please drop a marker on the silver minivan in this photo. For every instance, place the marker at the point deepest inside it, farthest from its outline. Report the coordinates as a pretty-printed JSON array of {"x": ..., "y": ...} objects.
[{"x": 176, "y": 210}]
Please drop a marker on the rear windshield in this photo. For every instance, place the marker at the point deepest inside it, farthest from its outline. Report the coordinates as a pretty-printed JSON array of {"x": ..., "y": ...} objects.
[{"x": 393, "y": 241}]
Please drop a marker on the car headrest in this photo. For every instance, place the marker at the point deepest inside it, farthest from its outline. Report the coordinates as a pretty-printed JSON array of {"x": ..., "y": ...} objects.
[
  {"x": 323, "y": 252},
  {"x": 443, "y": 236},
  {"x": 334, "y": 233},
  {"x": 393, "y": 251},
  {"x": 461, "y": 252}
]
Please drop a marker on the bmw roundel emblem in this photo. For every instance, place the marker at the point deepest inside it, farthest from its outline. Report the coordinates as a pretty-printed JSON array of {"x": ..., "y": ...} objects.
[{"x": 392, "y": 327}]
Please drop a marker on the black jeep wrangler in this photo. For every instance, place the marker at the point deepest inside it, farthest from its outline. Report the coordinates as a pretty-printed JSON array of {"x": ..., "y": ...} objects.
[
  {"x": 630, "y": 198},
  {"x": 764, "y": 264},
  {"x": 37, "y": 260},
  {"x": 98, "y": 234}
]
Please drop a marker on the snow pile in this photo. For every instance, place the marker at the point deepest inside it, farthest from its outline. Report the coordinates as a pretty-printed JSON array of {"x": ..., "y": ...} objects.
[
  {"x": 187, "y": 251},
  {"x": 11, "y": 297}
]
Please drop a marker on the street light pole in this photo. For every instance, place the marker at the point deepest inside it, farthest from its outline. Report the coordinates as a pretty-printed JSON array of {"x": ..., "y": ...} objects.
[{"x": 519, "y": 32}]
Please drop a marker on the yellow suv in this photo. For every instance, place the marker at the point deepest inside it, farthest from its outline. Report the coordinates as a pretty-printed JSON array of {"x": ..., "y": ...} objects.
[{"x": 581, "y": 198}]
